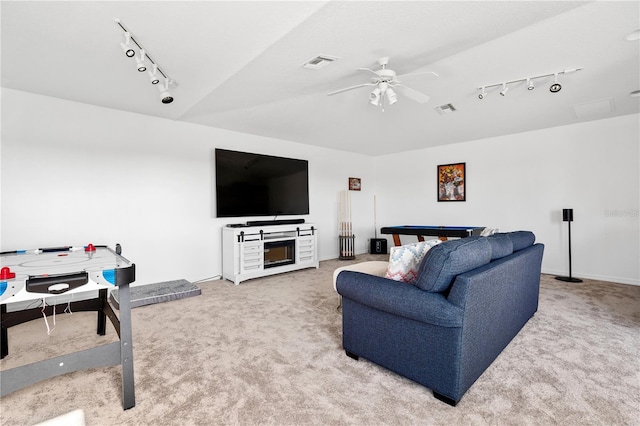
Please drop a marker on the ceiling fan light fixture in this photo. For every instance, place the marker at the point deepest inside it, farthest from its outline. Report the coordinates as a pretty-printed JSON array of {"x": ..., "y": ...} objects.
[
  {"x": 391, "y": 96},
  {"x": 384, "y": 81},
  {"x": 374, "y": 97}
]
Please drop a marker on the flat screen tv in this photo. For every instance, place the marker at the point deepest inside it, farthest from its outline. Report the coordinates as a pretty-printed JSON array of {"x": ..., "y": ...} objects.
[{"x": 260, "y": 185}]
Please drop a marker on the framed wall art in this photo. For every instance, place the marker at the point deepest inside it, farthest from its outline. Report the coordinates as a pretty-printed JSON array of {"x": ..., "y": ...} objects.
[
  {"x": 452, "y": 181},
  {"x": 355, "y": 184}
]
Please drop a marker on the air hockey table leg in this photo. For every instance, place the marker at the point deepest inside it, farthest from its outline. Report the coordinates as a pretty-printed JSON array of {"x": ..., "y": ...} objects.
[
  {"x": 126, "y": 348},
  {"x": 4, "y": 336},
  {"x": 102, "y": 316}
]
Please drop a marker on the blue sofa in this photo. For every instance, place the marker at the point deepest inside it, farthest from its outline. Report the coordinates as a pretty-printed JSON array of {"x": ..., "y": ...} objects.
[{"x": 471, "y": 297}]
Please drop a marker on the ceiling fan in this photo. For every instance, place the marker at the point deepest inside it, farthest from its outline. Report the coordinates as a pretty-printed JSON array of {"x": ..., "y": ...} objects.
[{"x": 385, "y": 81}]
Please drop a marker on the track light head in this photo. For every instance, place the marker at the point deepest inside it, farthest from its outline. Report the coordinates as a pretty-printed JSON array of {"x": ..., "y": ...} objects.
[
  {"x": 504, "y": 90},
  {"x": 165, "y": 96},
  {"x": 555, "y": 87},
  {"x": 482, "y": 93},
  {"x": 530, "y": 85},
  {"x": 152, "y": 75},
  {"x": 126, "y": 46},
  {"x": 140, "y": 62},
  {"x": 140, "y": 66},
  {"x": 128, "y": 50}
]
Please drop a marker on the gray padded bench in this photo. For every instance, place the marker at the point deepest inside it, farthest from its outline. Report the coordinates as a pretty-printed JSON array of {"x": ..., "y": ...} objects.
[{"x": 157, "y": 293}]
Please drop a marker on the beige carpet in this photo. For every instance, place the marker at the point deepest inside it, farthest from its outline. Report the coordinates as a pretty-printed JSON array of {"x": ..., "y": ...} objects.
[{"x": 268, "y": 352}]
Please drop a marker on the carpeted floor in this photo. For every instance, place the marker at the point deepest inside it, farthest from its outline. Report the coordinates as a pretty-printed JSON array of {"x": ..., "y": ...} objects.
[{"x": 268, "y": 352}]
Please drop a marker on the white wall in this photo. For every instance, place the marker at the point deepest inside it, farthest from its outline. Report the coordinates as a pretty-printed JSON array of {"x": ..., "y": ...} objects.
[
  {"x": 523, "y": 181},
  {"x": 74, "y": 174}
]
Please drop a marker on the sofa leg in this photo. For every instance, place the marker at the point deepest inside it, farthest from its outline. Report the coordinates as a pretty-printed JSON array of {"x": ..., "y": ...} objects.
[
  {"x": 352, "y": 355},
  {"x": 445, "y": 399}
]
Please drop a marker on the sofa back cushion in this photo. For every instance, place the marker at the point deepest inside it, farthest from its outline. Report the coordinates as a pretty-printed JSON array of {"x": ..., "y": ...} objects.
[
  {"x": 501, "y": 245},
  {"x": 521, "y": 239},
  {"x": 443, "y": 262}
]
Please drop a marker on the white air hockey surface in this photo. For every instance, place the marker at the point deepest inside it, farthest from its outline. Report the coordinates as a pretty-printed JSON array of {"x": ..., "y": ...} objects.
[{"x": 56, "y": 265}]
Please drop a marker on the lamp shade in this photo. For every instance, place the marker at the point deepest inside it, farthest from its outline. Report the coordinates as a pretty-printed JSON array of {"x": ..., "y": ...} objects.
[{"x": 567, "y": 215}]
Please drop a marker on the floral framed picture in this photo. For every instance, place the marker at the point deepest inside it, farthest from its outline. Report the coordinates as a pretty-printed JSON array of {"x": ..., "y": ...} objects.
[
  {"x": 355, "y": 184},
  {"x": 452, "y": 180}
]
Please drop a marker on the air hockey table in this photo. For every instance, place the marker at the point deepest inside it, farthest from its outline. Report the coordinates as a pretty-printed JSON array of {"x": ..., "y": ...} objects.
[
  {"x": 442, "y": 232},
  {"x": 39, "y": 274}
]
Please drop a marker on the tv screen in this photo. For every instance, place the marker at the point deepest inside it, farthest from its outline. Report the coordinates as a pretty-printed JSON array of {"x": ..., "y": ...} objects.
[{"x": 260, "y": 185}]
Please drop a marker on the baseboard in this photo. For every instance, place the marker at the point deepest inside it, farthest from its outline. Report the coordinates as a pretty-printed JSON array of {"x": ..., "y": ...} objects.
[{"x": 615, "y": 280}]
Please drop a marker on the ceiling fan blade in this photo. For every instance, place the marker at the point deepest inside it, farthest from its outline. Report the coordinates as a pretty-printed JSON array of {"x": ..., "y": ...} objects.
[
  {"x": 418, "y": 73},
  {"x": 367, "y": 69},
  {"x": 412, "y": 94},
  {"x": 350, "y": 88}
]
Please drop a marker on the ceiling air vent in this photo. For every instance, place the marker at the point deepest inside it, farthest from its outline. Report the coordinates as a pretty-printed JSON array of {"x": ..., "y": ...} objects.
[
  {"x": 319, "y": 61},
  {"x": 445, "y": 109},
  {"x": 593, "y": 109}
]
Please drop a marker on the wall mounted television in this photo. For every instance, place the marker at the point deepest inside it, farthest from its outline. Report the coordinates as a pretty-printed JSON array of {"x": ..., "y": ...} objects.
[{"x": 260, "y": 185}]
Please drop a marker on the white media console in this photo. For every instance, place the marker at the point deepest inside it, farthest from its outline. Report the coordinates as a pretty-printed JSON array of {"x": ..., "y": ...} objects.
[{"x": 257, "y": 251}]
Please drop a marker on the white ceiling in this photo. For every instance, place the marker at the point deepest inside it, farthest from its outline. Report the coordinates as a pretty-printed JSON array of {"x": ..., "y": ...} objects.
[{"x": 239, "y": 64}]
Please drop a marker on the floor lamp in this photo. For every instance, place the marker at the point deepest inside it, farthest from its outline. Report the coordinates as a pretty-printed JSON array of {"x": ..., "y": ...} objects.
[{"x": 567, "y": 216}]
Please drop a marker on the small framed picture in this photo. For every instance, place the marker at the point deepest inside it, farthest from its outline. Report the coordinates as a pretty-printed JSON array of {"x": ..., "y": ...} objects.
[
  {"x": 452, "y": 180},
  {"x": 354, "y": 184}
]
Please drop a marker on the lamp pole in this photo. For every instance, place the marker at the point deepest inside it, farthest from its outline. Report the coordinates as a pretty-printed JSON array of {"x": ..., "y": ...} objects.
[{"x": 567, "y": 216}]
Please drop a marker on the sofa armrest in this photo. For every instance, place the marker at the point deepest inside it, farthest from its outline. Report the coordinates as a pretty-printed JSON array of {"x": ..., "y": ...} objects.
[{"x": 399, "y": 298}]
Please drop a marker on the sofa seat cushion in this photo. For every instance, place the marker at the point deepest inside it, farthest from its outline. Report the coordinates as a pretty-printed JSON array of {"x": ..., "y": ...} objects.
[
  {"x": 501, "y": 245},
  {"x": 443, "y": 262},
  {"x": 404, "y": 261}
]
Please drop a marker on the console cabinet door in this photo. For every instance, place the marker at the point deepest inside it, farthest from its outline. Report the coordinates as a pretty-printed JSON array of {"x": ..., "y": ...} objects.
[
  {"x": 306, "y": 249},
  {"x": 251, "y": 256}
]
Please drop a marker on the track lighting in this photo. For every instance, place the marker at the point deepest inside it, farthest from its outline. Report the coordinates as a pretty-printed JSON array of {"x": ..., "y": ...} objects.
[
  {"x": 165, "y": 96},
  {"x": 141, "y": 64},
  {"x": 555, "y": 87},
  {"x": 152, "y": 75},
  {"x": 530, "y": 85},
  {"x": 126, "y": 46}
]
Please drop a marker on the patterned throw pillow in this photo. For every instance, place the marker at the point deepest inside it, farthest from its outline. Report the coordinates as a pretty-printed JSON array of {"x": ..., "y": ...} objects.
[
  {"x": 489, "y": 231},
  {"x": 404, "y": 261}
]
